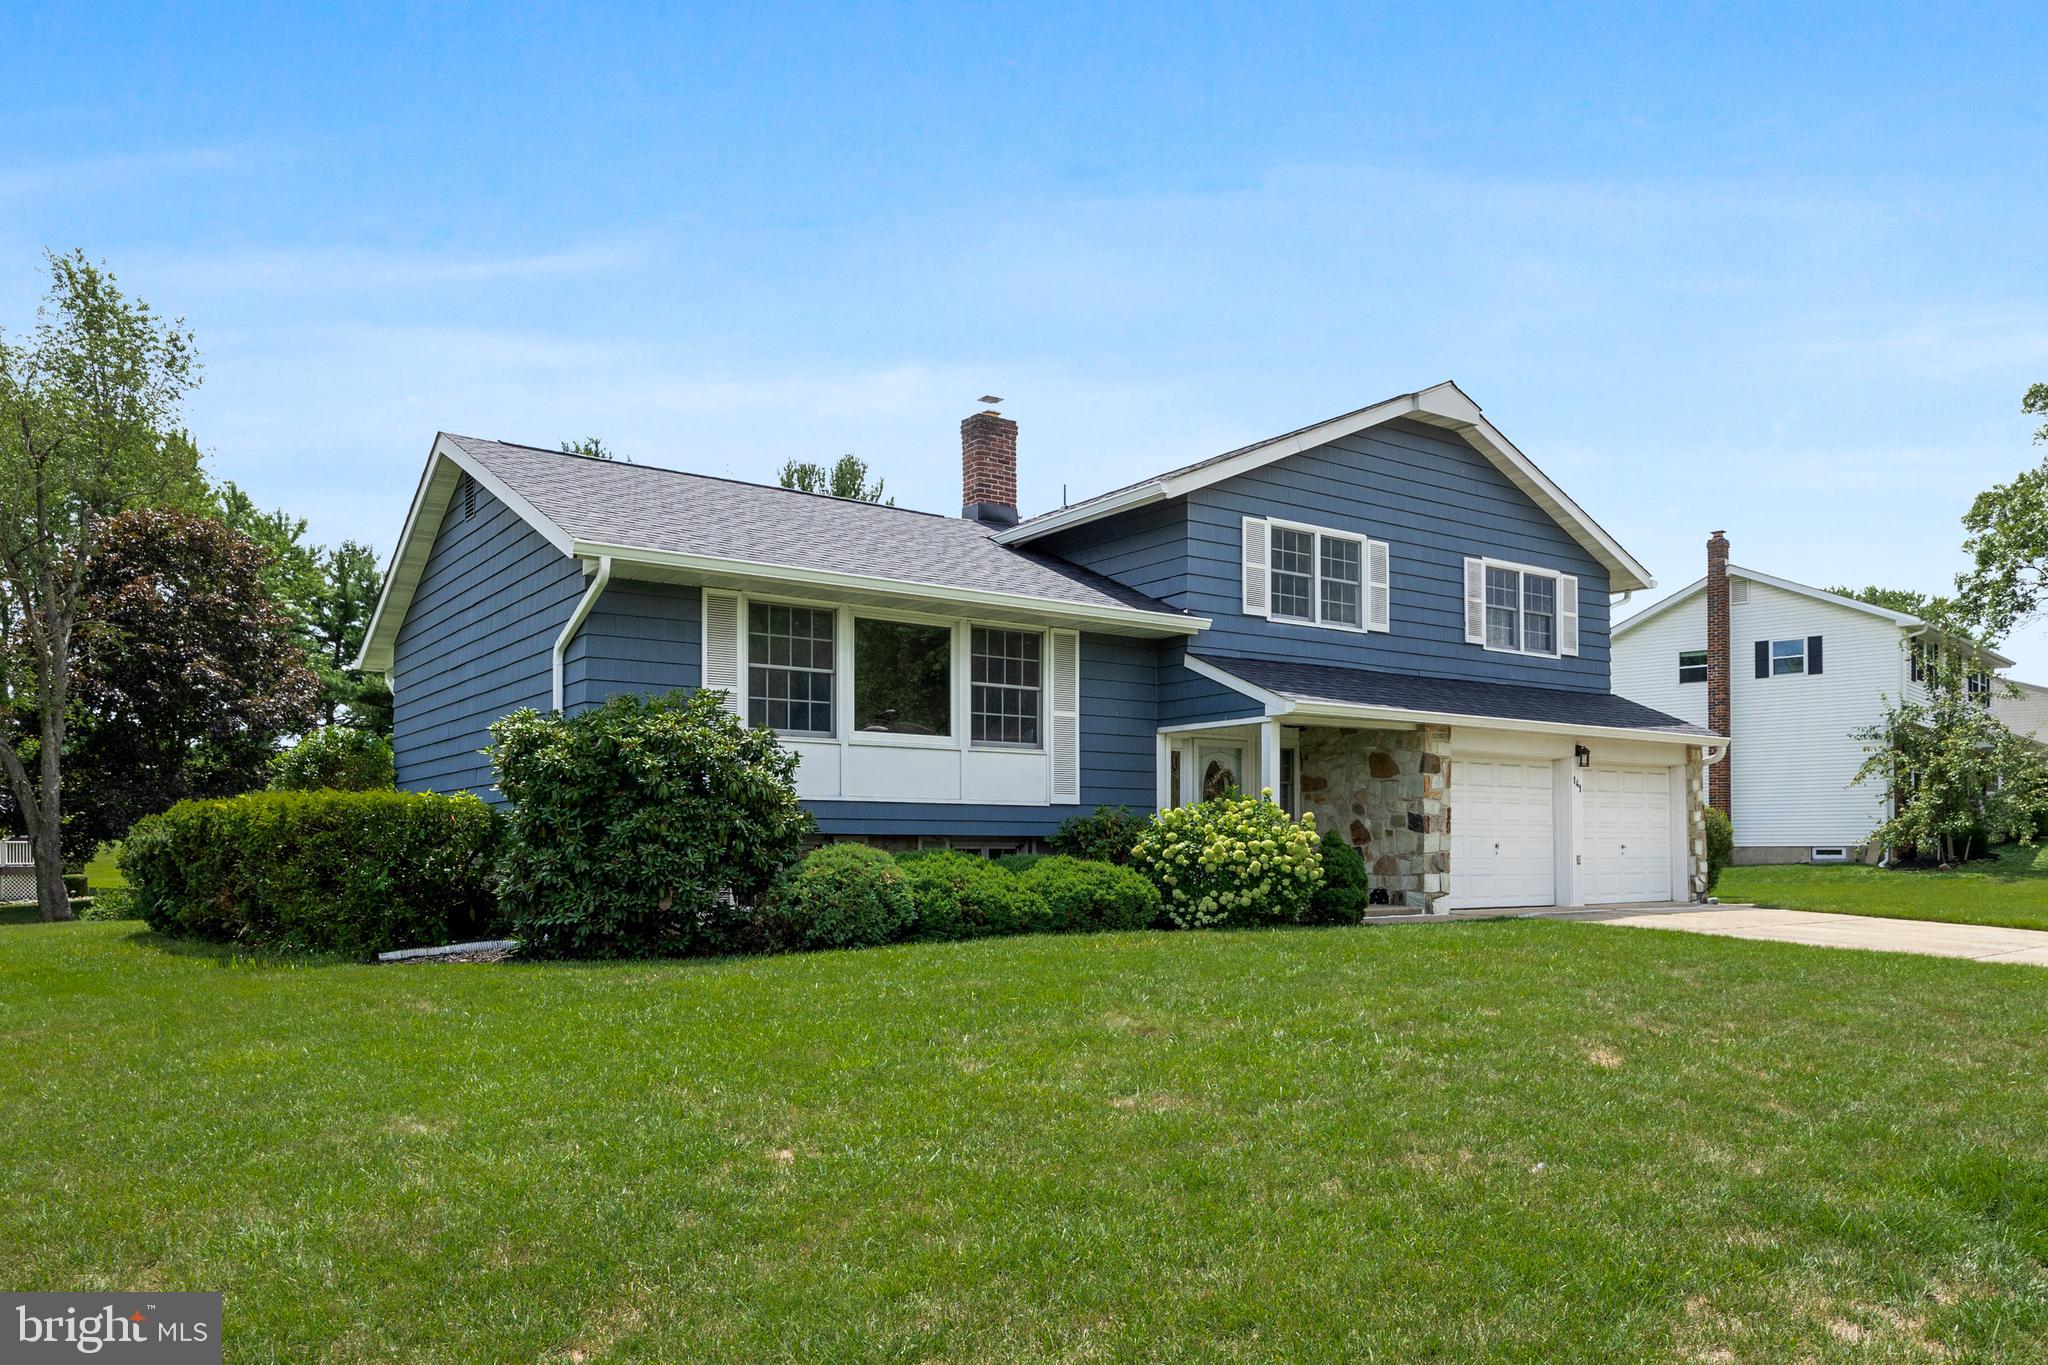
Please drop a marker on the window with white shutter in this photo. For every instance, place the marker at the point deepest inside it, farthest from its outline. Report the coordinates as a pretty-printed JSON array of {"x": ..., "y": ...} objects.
[
  {"x": 1066, "y": 716},
  {"x": 1255, "y": 550},
  {"x": 722, "y": 648}
]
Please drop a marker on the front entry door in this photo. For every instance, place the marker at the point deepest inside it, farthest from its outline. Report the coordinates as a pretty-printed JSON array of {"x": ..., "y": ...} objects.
[{"x": 1222, "y": 769}]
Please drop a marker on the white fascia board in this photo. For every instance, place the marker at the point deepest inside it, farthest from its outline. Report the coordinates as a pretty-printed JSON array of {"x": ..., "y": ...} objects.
[
  {"x": 1685, "y": 594},
  {"x": 416, "y": 540},
  {"x": 1985, "y": 654},
  {"x": 1444, "y": 405},
  {"x": 1275, "y": 704},
  {"x": 786, "y": 576},
  {"x": 1308, "y": 710}
]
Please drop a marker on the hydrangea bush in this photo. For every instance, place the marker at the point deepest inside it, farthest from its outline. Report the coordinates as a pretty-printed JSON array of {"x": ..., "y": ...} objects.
[{"x": 1231, "y": 861}]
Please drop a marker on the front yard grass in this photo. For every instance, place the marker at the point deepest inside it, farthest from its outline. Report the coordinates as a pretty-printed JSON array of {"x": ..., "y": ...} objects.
[
  {"x": 1509, "y": 1139},
  {"x": 2009, "y": 890}
]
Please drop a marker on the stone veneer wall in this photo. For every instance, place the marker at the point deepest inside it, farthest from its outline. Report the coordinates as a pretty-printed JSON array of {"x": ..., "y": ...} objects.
[
  {"x": 1696, "y": 821},
  {"x": 1384, "y": 791}
]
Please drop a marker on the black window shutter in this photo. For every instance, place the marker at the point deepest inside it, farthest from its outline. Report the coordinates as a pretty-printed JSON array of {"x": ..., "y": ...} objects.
[
  {"x": 1813, "y": 654},
  {"x": 1763, "y": 658}
]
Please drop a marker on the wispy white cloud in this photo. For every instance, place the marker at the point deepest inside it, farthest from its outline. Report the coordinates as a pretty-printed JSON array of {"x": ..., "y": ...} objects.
[
  {"x": 116, "y": 170},
  {"x": 341, "y": 269}
]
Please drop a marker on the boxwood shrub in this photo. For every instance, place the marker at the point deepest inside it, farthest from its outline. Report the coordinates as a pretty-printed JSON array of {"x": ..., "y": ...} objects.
[
  {"x": 643, "y": 827},
  {"x": 1344, "y": 893},
  {"x": 962, "y": 896},
  {"x": 342, "y": 872},
  {"x": 1081, "y": 896},
  {"x": 842, "y": 896}
]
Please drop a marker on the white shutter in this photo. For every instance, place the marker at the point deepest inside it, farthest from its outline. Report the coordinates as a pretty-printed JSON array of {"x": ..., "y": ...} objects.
[
  {"x": 1475, "y": 601},
  {"x": 1257, "y": 546},
  {"x": 1567, "y": 614},
  {"x": 1378, "y": 596},
  {"x": 1066, "y": 717},
  {"x": 722, "y": 649}
]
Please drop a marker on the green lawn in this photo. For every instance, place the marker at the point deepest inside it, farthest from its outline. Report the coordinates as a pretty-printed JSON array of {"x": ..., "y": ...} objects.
[
  {"x": 2011, "y": 890},
  {"x": 103, "y": 873},
  {"x": 1510, "y": 1139}
]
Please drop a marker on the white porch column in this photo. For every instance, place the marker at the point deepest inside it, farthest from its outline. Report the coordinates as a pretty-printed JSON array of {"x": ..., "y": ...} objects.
[
  {"x": 1269, "y": 755},
  {"x": 1162, "y": 790}
]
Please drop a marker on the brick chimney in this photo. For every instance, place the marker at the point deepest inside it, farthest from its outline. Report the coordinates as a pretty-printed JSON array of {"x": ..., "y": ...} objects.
[
  {"x": 988, "y": 468},
  {"x": 1719, "y": 679}
]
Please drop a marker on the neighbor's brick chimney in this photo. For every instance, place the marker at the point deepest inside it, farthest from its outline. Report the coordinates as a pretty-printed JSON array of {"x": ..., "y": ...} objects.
[
  {"x": 988, "y": 468},
  {"x": 1718, "y": 676}
]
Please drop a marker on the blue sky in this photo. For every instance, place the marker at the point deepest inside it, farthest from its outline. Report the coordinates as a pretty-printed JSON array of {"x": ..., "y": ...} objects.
[{"x": 1779, "y": 271}]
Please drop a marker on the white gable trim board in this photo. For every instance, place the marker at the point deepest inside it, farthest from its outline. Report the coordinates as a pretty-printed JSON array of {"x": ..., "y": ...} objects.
[
  {"x": 852, "y": 765},
  {"x": 1443, "y": 405}
]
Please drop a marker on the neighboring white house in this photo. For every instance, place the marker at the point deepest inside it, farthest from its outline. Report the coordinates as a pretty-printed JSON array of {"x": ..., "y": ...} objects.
[
  {"x": 2026, "y": 714},
  {"x": 1804, "y": 671}
]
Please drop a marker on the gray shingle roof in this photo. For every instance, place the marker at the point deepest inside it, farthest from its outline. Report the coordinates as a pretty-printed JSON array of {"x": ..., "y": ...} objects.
[
  {"x": 648, "y": 507},
  {"x": 1312, "y": 683}
]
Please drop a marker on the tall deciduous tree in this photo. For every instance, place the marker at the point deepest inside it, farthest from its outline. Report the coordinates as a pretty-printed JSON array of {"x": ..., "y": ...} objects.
[
  {"x": 2007, "y": 582},
  {"x": 186, "y": 675},
  {"x": 1954, "y": 773},
  {"x": 1907, "y": 600},
  {"x": 846, "y": 479},
  {"x": 89, "y": 425}
]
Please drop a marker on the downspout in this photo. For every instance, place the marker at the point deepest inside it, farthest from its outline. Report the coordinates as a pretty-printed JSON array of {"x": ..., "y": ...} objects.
[{"x": 576, "y": 619}]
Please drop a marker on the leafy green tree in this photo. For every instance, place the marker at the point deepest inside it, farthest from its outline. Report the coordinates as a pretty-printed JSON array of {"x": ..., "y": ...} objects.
[
  {"x": 1954, "y": 773},
  {"x": 1899, "y": 599},
  {"x": 185, "y": 676},
  {"x": 89, "y": 426},
  {"x": 335, "y": 758},
  {"x": 328, "y": 596},
  {"x": 2007, "y": 582},
  {"x": 592, "y": 448},
  {"x": 846, "y": 479}
]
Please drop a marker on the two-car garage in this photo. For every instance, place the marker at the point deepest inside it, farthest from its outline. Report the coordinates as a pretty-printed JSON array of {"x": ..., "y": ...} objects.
[{"x": 1528, "y": 830}]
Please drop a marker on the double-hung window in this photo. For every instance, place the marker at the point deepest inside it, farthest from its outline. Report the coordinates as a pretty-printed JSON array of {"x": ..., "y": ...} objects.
[
  {"x": 1521, "y": 610},
  {"x": 1692, "y": 665},
  {"x": 1317, "y": 577},
  {"x": 1005, "y": 685},
  {"x": 790, "y": 668},
  {"x": 1787, "y": 656}
]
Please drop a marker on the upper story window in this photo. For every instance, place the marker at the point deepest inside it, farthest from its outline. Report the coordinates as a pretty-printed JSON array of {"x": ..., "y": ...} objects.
[
  {"x": 1006, "y": 685},
  {"x": 790, "y": 668},
  {"x": 1692, "y": 665},
  {"x": 1314, "y": 576},
  {"x": 902, "y": 678},
  {"x": 1788, "y": 658},
  {"x": 1979, "y": 684},
  {"x": 1517, "y": 608}
]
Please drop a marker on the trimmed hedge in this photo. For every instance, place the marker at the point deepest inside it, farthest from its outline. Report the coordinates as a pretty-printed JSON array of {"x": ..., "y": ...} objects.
[
  {"x": 1345, "y": 892},
  {"x": 337, "y": 758},
  {"x": 1082, "y": 896},
  {"x": 1720, "y": 845},
  {"x": 842, "y": 896},
  {"x": 1106, "y": 834},
  {"x": 341, "y": 872},
  {"x": 645, "y": 827},
  {"x": 962, "y": 896}
]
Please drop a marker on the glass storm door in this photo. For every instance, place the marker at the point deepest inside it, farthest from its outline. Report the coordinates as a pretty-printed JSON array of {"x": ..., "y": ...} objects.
[{"x": 1222, "y": 770}]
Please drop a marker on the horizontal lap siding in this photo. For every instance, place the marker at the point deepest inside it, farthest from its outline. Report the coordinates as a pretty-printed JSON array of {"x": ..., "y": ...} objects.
[
  {"x": 1119, "y": 716},
  {"x": 476, "y": 643},
  {"x": 1188, "y": 698},
  {"x": 1434, "y": 500},
  {"x": 639, "y": 637},
  {"x": 1145, "y": 549}
]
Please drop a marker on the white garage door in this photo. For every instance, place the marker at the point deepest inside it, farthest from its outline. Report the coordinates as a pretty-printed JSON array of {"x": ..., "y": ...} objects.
[
  {"x": 1502, "y": 851},
  {"x": 1626, "y": 850}
]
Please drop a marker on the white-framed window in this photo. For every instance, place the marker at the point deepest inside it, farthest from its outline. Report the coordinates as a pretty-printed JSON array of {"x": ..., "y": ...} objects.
[
  {"x": 1521, "y": 609},
  {"x": 902, "y": 677},
  {"x": 1787, "y": 656},
  {"x": 791, "y": 664},
  {"x": 1007, "y": 686},
  {"x": 1315, "y": 576},
  {"x": 1692, "y": 665}
]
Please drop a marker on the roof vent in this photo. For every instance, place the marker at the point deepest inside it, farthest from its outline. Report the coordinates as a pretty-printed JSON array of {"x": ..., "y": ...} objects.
[{"x": 1738, "y": 592}]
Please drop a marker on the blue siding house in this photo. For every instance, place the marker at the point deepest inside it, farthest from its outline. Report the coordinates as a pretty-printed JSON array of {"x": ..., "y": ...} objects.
[{"x": 1382, "y": 619}]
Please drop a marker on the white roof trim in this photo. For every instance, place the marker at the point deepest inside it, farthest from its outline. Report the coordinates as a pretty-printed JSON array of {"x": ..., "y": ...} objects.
[
  {"x": 1907, "y": 622},
  {"x": 1443, "y": 405},
  {"x": 1347, "y": 711},
  {"x": 1274, "y": 702},
  {"x": 448, "y": 461}
]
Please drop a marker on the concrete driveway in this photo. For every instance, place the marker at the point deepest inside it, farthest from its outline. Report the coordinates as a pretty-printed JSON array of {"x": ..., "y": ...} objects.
[{"x": 1980, "y": 942}]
